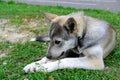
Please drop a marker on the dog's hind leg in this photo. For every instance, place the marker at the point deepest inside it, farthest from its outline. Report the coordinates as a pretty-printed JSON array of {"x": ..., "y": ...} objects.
[{"x": 93, "y": 60}]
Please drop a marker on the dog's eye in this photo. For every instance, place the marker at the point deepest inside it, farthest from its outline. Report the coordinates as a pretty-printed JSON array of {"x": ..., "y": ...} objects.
[{"x": 57, "y": 42}]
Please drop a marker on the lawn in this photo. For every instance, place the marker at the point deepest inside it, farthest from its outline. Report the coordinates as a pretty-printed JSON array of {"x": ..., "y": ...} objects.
[{"x": 20, "y": 54}]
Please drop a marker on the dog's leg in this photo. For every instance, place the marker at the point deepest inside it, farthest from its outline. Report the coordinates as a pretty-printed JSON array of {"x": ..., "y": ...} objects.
[{"x": 94, "y": 60}]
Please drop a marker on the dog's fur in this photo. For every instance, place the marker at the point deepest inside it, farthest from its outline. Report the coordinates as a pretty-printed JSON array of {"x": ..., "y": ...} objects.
[{"x": 92, "y": 38}]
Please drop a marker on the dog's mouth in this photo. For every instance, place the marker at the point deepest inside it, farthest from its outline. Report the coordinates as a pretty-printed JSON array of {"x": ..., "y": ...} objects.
[{"x": 62, "y": 55}]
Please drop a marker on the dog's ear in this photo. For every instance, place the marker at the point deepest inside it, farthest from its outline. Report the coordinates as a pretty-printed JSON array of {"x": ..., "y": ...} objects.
[
  {"x": 71, "y": 25},
  {"x": 49, "y": 16}
]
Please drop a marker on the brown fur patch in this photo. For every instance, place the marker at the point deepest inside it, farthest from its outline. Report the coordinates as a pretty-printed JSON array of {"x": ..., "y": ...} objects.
[
  {"x": 110, "y": 37},
  {"x": 110, "y": 40},
  {"x": 49, "y": 16},
  {"x": 95, "y": 62},
  {"x": 60, "y": 20},
  {"x": 75, "y": 31}
]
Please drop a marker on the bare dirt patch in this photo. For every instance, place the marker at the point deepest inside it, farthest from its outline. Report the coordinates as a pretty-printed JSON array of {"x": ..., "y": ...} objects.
[
  {"x": 21, "y": 32},
  {"x": 9, "y": 32}
]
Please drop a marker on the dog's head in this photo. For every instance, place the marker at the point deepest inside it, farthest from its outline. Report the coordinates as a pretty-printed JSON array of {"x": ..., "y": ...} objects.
[{"x": 63, "y": 32}]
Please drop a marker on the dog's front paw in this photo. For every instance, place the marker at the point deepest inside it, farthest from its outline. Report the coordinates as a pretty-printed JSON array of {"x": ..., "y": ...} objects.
[
  {"x": 32, "y": 67},
  {"x": 29, "y": 67},
  {"x": 36, "y": 67}
]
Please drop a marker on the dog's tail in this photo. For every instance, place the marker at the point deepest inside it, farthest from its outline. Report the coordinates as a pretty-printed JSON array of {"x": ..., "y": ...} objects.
[{"x": 41, "y": 39}]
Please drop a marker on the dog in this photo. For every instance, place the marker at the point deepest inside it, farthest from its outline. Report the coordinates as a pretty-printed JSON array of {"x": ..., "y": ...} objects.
[{"x": 70, "y": 37}]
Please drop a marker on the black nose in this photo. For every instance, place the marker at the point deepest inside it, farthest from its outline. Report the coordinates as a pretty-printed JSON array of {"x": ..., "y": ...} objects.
[{"x": 49, "y": 56}]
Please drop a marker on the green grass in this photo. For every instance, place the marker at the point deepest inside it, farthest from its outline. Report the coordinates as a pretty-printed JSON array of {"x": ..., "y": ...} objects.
[{"x": 20, "y": 54}]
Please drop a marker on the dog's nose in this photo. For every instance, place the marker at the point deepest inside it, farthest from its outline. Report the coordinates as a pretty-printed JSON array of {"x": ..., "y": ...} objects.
[{"x": 49, "y": 56}]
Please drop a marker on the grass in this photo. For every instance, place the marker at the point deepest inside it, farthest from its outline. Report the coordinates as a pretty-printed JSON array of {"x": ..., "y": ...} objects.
[{"x": 20, "y": 54}]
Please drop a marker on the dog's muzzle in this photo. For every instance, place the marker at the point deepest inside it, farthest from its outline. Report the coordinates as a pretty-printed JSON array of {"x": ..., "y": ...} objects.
[{"x": 59, "y": 57}]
